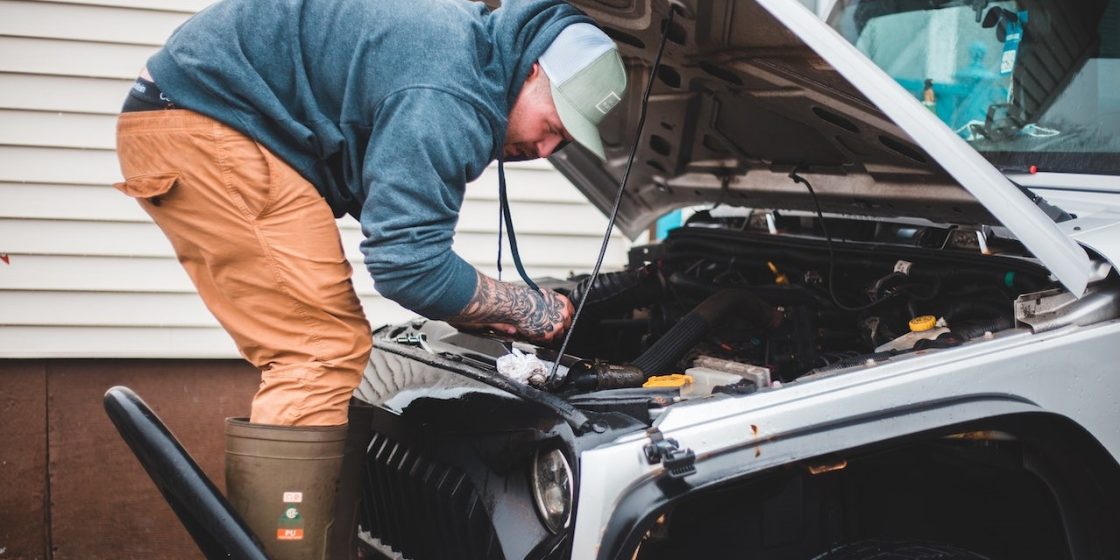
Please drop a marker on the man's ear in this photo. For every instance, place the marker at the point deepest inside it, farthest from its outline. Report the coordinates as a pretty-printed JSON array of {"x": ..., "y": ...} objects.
[{"x": 536, "y": 72}]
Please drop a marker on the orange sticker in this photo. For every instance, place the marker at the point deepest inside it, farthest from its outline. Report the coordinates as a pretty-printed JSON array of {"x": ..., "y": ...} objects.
[{"x": 289, "y": 534}]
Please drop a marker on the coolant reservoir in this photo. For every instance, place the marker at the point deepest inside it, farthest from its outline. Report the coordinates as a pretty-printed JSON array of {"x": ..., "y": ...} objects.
[
  {"x": 704, "y": 380},
  {"x": 923, "y": 327}
]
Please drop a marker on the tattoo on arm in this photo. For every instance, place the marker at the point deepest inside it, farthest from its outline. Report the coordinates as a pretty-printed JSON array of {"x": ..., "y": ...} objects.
[{"x": 535, "y": 314}]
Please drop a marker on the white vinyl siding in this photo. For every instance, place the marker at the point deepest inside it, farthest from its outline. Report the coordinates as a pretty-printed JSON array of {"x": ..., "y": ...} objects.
[{"x": 89, "y": 275}]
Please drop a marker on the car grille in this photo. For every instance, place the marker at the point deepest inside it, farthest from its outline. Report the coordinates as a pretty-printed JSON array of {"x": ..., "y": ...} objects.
[{"x": 424, "y": 509}]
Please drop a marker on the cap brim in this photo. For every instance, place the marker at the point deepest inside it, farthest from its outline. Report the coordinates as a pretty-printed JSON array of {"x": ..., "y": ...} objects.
[{"x": 583, "y": 131}]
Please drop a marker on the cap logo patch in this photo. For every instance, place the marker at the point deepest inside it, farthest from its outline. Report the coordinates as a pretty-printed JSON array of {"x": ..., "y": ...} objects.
[{"x": 608, "y": 103}]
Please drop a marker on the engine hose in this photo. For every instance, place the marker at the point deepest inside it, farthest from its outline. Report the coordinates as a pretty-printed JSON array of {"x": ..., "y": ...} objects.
[
  {"x": 690, "y": 244},
  {"x": 856, "y": 360},
  {"x": 972, "y": 331},
  {"x": 1021, "y": 281},
  {"x": 688, "y": 241},
  {"x": 672, "y": 346},
  {"x": 789, "y": 295},
  {"x": 962, "y": 310},
  {"x": 619, "y": 290}
]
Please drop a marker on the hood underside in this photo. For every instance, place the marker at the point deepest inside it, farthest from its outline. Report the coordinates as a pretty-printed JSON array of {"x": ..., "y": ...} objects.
[
  {"x": 738, "y": 103},
  {"x": 741, "y": 100}
]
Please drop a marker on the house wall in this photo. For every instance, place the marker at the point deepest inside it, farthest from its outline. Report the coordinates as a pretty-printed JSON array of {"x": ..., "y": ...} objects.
[
  {"x": 88, "y": 275},
  {"x": 92, "y": 296}
]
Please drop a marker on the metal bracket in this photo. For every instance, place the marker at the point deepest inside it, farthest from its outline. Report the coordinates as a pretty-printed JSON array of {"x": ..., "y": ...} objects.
[
  {"x": 1052, "y": 309},
  {"x": 419, "y": 340},
  {"x": 678, "y": 462}
]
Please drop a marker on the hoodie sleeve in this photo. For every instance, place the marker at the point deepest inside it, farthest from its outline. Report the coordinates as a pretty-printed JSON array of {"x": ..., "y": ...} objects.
[{"x": 425, "y": 145}]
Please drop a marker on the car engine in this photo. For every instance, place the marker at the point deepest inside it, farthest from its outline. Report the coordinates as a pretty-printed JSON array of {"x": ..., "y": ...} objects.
[
  {"x": 782, "y": 297},
  {"x": 739, "y": 300}
]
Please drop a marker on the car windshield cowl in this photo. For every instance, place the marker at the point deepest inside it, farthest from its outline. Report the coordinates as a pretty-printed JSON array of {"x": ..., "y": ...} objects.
[{"x": 1027, "y": 83}]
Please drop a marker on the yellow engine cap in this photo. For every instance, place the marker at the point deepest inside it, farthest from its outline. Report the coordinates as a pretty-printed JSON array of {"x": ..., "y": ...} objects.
[
  {"x": 923, "y": 323},
  {"x": 672, "y": 380}
]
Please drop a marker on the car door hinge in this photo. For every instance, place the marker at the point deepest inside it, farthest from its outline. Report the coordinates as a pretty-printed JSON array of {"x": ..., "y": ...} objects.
[{"x": 678, "y": 462}]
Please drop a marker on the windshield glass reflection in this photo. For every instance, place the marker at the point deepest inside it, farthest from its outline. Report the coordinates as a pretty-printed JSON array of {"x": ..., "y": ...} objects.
[{"x": 1025, "y": 82}]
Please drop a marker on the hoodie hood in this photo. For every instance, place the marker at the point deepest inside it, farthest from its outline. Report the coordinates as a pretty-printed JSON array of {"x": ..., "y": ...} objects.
[{"x": 521, "y": 30}]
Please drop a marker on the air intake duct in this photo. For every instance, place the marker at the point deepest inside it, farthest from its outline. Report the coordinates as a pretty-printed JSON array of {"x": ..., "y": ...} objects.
[{"x": 663, "y": 356}]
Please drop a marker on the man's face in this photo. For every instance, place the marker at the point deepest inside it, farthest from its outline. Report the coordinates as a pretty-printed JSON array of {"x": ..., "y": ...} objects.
[{"x": 535, "y": 130}]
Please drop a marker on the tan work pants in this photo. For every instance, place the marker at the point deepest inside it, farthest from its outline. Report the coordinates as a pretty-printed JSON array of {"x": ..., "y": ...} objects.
[{"x": 263, "y": 250}]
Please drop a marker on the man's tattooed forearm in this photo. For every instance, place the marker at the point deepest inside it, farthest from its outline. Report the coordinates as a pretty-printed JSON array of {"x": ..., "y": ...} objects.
[{"x": 537, "y": 314}]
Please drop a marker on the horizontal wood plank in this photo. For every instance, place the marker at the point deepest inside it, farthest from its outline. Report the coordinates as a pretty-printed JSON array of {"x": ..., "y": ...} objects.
[
  {"x": 58, "y": 130},
  {"x": 33, "y": 92},
  {"x": 87, "y": 22},
  {"x": 181, "y": 6},
  {"x": 63, "y": 273},
  {"x": 112, "y": 309},
  {"x": 72, "y": 58},
  {"x": 69, "y": 202},
  {"x": 56, "y": 341},
  {"x": 166, "y": 342},
  {"x": 117, "y": 239},
  {"x": 26, "y": 164},
  {"x": 52, "y": 165}
]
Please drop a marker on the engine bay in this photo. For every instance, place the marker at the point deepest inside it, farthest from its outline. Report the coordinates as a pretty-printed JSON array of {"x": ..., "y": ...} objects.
[
  {"x": 832, "y": 311},
  {"x": 742, "y": 301}
]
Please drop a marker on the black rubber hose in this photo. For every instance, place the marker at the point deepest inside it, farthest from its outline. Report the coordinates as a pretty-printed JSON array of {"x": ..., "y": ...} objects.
[
  {"x": 964, "y": 310},
  {"x": 931, "y": 271},
  {"x": 660, "y": 357},
  {"x": 623, "y": 290},
  {"x": 976, "y": 330},
  {"x": 788, "y": 295},
  {"x": 687, "y": 241},
  {"x": 664, "y": 354}
]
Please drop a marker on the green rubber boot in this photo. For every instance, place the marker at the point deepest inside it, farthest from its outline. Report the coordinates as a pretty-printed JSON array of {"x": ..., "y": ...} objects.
[
  {"x": 282, "y": 481},
  {"x": 344, "y": 529}
]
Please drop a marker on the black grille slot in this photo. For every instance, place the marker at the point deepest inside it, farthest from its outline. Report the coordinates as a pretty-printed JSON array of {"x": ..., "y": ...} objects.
[{"x": 423, "y": 509}]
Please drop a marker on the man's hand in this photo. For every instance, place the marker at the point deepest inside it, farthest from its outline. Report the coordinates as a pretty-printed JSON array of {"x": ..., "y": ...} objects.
[{"x": 516, "y": 310}]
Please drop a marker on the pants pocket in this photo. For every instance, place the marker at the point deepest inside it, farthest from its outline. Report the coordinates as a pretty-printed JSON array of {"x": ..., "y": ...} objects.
[{"x": 148, "y": 187}]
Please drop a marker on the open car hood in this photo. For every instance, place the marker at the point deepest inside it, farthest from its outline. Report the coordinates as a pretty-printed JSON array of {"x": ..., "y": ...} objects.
[{"x": 749, "y": 91}]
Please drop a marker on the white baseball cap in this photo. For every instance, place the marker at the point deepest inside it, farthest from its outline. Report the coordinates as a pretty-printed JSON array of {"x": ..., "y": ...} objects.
[{"x": 588, "y": 79}]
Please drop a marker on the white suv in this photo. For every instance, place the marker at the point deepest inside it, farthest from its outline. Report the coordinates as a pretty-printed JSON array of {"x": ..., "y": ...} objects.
[{"x": 889, "y": 331}]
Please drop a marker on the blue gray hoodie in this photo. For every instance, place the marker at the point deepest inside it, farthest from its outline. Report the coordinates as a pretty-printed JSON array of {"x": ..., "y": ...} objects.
[{"x": 389, "y": 107}]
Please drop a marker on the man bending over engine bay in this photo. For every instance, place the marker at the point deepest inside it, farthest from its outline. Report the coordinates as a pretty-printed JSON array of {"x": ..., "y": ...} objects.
[{"x": 259, "y": 123}]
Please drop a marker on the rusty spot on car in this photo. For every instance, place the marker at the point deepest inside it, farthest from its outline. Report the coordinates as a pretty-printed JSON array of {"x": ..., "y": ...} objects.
[
  {"x": 754, "y": 429},
  {"x": 757, "y": 451}
]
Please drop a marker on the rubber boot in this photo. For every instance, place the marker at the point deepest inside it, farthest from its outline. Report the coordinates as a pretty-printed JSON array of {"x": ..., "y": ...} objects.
[
  {"x": 282, "y": 481},
  {"x": 344, "y": 529}
]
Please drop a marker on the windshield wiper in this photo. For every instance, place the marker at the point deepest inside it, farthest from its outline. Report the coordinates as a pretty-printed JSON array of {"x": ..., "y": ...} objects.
[{"x": 1051, "y": 211}]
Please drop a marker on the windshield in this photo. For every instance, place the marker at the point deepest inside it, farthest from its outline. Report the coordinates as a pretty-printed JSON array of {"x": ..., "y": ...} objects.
[{"x": 1026, "y": 83}]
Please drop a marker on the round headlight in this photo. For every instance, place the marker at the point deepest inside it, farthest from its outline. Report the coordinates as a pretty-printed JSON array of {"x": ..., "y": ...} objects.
[{"x": 552, "y": 489}]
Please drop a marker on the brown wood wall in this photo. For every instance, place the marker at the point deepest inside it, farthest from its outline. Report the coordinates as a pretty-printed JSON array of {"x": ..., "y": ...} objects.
[{"x": 69, "y": 486}]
